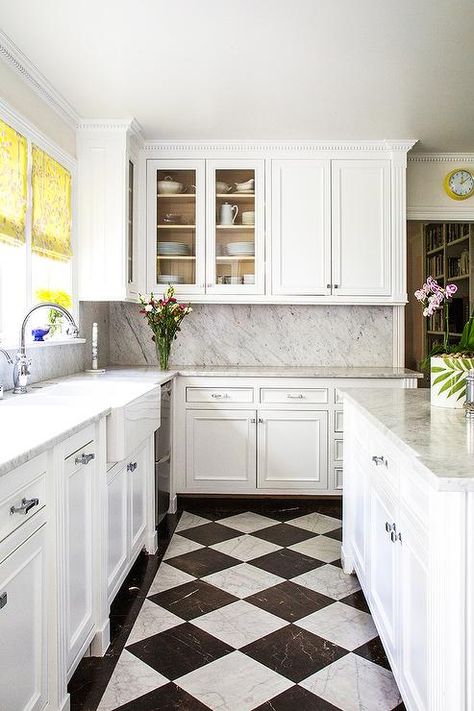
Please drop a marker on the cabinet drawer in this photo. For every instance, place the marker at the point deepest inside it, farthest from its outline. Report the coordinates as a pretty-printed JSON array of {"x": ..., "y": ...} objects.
[
  {"x": 294, "y": 395},
  {"x": 83, "y": 456},
  {"x": 225, "y": 395},
  {"x": 23, "y": 489}
]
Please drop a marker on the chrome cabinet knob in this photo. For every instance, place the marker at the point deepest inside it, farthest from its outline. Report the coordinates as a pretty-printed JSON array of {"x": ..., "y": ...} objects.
[
  {"x": 299, "y": 396},
  {"x": 260, "y": 420},
  {"x": 378, "y": 460},
  {"x": 253, "y": 420},
  {"x": 85, "y": 458},
  {"x": 132, "y": 466},
  {"x": 25, "y": 506},
  {"x": 328, "y": 286},
  {"x": 3, "y": 599}
]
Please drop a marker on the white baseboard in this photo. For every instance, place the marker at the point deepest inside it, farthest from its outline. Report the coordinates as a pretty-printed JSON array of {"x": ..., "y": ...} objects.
[{"x": 173, "y": 507}]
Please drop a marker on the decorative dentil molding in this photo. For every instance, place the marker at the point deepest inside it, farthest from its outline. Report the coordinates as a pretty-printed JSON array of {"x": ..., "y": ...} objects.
[
  {"x": 272, "y": 146},
  {"x": 31, "y": 75},
  {"x": 441, "y": 158},
  {"x": 130, "y": 125}
]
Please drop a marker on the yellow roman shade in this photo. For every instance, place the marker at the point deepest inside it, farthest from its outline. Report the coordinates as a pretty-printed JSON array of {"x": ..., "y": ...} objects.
[
  {"x": 13, "y": 172},
  {"x": 51, "y": 219}
]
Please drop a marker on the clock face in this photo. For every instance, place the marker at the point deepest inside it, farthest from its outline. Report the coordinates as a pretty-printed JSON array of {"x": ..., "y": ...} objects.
[{"x": 460, "y": 184}]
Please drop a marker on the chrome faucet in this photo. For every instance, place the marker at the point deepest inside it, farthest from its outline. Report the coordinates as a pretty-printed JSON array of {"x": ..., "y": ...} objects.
[{"x": 21, "y": 370}]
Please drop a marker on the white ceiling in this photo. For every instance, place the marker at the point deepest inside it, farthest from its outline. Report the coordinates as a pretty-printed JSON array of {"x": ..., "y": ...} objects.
[{"x": 260, "y": 69}]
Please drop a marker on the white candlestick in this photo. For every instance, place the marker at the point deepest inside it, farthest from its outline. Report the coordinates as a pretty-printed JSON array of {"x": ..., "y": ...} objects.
[{"x": 95, "y": 341}]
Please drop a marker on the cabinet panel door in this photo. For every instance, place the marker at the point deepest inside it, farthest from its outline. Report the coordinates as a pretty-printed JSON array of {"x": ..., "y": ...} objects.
[
  {"x": 176, "y": 225},
  {"x": 292, "y": 450},
  {"x": 117, "y": 511},
  {"x": 413, "y": 592},
  {"x": 79, "y": 501},
  {"x": 383, "y": 573},
  {"x": 137, "y": 482},
  {"x": 301, "y": 227},
  {"x": 235, "y": 261},
  {"x": 23, "y": 627},
  {"x": 221, "y": 448},
  {"x": 361, "y": 242}
]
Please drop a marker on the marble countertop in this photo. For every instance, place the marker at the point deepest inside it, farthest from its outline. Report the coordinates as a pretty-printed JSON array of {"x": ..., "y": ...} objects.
[
  {"x": 266, "y": 371},
  {"x": 55, "y": 409},
  {"x": 441, "y": 439}
]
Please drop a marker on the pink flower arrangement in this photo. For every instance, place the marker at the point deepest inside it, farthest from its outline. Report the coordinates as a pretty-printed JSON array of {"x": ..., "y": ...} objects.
[
  {"x": 164, "y": 317},
  {"x": 432, "y": 295}
]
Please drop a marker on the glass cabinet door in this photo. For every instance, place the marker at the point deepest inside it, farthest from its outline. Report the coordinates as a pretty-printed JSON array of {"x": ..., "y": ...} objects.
[
  {"x": 176, "y": 230},
  {"x": 235, "y": 219}
]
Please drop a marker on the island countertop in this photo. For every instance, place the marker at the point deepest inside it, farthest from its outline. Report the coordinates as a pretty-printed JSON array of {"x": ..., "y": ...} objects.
[{"x": 441, "y": 439}]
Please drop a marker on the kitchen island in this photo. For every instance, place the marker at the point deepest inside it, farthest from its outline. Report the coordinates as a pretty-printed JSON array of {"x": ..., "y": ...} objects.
[{"x": 408, "y": 535}]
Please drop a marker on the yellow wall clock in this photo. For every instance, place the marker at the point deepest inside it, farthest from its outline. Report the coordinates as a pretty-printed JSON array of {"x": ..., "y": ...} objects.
[{"x": 459, "y": 184}]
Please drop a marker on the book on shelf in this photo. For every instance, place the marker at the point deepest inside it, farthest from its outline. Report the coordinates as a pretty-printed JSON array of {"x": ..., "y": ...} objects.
[
  {"x": 456, "y": 230},
  {"x": 434, "y": 236}
]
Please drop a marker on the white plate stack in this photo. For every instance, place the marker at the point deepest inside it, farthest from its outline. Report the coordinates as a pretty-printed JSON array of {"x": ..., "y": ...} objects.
[
  {"x": 241, "y": 249},
  {"x": 173, "y": 249},
  {"x": 170, "y": 279}
]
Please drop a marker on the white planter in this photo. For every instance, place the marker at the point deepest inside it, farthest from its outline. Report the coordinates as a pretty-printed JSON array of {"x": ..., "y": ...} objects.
[{"x": 450, "y": 372}]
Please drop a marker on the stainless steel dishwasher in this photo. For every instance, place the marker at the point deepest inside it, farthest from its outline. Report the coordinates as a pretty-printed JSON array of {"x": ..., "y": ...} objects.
[{"x": 163, "y": 455}]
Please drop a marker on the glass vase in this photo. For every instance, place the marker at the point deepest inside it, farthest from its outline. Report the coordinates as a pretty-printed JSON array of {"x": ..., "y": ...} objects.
[{"x": 163, "y": 348}]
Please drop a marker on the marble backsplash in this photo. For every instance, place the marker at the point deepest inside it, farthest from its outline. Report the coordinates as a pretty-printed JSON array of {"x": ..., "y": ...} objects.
[
  {"x": 54, "y": 361},
  {"x": 223, "y": 334}
]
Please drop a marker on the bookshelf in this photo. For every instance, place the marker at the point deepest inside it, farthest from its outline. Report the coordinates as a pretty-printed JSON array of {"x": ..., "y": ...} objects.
[{"x": 448, "y": 255}]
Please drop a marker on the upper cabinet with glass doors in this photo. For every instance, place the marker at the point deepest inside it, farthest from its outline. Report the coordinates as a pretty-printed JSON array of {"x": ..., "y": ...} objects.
[{"x": 205, "y": 226}]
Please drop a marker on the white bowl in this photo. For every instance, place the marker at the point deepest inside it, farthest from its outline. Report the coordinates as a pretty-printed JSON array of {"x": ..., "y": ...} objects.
[
  {"x": 168, "y": 186},
  {"x": 170, "y": 279}
]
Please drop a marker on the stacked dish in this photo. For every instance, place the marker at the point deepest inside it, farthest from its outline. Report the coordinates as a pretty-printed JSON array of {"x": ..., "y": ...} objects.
[
  {"x": 170, "y": 279},
  {"x": 241, "y": 249},
  {"x": 175, "y": 249}
]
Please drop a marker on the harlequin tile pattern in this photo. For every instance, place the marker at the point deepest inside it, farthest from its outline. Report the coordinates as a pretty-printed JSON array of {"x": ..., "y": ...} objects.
[{"x": 257, "y": 616}]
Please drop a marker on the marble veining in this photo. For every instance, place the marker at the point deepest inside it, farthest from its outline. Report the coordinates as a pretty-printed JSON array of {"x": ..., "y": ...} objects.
[
  {"x": 261, "y": 334},
  {"x": 439, "y": 441}
]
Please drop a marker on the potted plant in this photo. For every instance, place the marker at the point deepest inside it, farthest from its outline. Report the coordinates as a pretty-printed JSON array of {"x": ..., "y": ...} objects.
[
  {"x": 449, "y": 362},
  {"x": 164, "y": 317},
  {"x": 55, "y": 318}
]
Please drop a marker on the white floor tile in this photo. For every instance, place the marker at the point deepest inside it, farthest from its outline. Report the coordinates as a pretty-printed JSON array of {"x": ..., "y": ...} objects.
[
  {"x": 353, "y": 683},
  {"x": 344, "y": 625},
  {"x": 243, "y": 580},
  {"x": 329, "y": 580},
  {"x": 151, "y": 620},
  {"x": 239, "y": 623},
  {"x": 320, "y": 547},
  {"x": 316, "y": 523},
  {"x": 189, "y": 520},
  {"x": 245, "y": 547},
  {"x": 168, "y": 577},
  {"x": 234, "y": 683},
  {"x": 131, "y": 678},
  {"x": 248, "y": 522},
  {"x": 180, "y": 546}
]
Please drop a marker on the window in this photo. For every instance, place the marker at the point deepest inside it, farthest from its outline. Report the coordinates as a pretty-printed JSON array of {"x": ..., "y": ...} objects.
[{"x": 35, "y": 233}]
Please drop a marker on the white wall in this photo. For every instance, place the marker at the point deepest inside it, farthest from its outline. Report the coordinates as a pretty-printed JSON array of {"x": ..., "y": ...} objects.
[
  {"x": 19, "y": 95},
  {"x": 426, "y": 197}
]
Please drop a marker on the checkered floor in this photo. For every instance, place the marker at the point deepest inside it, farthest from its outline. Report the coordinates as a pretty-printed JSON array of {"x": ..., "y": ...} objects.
[{"x": 249, "y": 612}]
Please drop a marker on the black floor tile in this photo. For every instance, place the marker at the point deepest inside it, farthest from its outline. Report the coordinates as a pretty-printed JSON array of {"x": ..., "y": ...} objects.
[
  {"x": 289, "y": 601},
  {"x": 167, "y": 698},
  {"x": 210, "y": 533},
  {"x": 357, "y": 600},
  {"x": 294, "y": 653},
  {"x": 180, "y": 650},
  {"x": 193, "y": 599},
  {"x": 284, "y": 535},
  {"x": 336, "y": 534},
  {"x": 286, "y": 563},
  {"x": 297, "y": 699},
  {"x": 202, "y": 562},
  {"x": 374, "y": 652}
]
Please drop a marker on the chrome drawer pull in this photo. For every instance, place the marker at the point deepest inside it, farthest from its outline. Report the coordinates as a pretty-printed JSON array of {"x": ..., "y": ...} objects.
[
  {"x": 84, "y": 458},
  {"x": 388, "y": 526},
  {"x": 379, "y": 460},
  {"x": 132, "y": 466},
  {"x": 3, "y": 600},
  {"x": 25, "y": 506},
  {"x": 300, "y": 396},
  {"x": 396, "y": 537},
  {"x": 218, "y": 396}
]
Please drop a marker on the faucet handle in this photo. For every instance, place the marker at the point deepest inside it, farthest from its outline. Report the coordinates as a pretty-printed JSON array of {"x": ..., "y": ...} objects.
[{"x": 72, "y": 331}]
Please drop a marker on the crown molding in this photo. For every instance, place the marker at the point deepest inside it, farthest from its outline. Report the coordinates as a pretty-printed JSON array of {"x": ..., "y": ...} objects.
[
  {"x": 26, "y": 70},
  {"x": 272, "y": 146},
  {"x": 130, "y": 125},
  {"x": 443, "y": 213},
  {"x": 441, "y": 158}
]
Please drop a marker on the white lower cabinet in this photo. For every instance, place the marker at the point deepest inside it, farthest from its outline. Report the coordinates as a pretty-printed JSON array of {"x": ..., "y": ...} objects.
[
  {"x": 292, "y": 450},
  {"x": 221, "y": 448},
  {"x": 127, "y": 492},
  {"x": 23, "y": 625}
]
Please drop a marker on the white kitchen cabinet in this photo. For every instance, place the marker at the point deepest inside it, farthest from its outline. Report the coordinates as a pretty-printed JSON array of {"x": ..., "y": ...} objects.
[
  {"x": 176, "y": 225},
  {"x": 292, "y": 449},
  {"x": 221, "y": 448},
  {"x": 301, "y": 226},
  {"x": 137, "y": 476},
  {"x": 235, "y": 262},
  {"x": 117, "y": 515},
  {"x": 79, "y": 493},
  {"x": 109, "y": 211},
  {"x": 23, "y": 621},
  {"x": 361, "y": 228}
]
